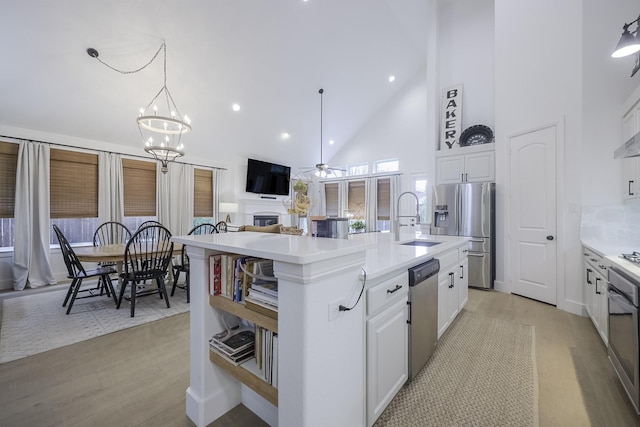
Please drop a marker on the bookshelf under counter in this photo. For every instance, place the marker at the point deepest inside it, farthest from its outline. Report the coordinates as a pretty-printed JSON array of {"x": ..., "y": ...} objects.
[
  {"x": 248, "y": 374},
  {"x": 238, "y": 309},
  {"x": 312, "y": 274}
]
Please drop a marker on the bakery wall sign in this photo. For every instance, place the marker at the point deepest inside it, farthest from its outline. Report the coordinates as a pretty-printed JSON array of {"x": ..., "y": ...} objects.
[{"x": 451, "y": 117}]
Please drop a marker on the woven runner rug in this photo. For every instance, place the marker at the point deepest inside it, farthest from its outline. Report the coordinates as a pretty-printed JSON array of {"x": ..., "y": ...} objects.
[
  {"x": 483, "y": 373},
  {"x": 38, "y": 323}
]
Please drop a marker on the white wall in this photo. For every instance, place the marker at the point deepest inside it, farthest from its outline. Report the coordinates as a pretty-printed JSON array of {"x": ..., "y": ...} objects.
[
  {"x": 606, "y": 85},
  {"x": 399, "y": 130},
  {"x": 466, "y": 55},
  {"x": 538, "y": 77}
]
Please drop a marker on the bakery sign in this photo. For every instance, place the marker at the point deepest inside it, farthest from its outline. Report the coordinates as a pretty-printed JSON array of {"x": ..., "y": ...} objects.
[{"x": 451, "y": 117}]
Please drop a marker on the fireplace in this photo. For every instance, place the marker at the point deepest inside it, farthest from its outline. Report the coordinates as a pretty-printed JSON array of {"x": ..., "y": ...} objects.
[{"x": 262, "y": 220}]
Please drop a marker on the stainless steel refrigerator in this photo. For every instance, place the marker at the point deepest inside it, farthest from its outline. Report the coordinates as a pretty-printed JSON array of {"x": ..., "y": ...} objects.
[{"x": 469, "y": 210}]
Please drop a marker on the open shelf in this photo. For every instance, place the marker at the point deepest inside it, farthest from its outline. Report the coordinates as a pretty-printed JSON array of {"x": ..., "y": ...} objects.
[
  {"x": 243, "y": 312},
  {"x": 244, "y": 374}
]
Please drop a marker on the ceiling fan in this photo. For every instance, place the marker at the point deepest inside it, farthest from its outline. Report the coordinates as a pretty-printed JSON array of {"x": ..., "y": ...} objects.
[{"x": 322, "y": 169}]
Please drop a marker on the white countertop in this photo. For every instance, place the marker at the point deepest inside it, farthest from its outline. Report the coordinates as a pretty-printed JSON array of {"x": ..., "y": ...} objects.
[
  {"x": 390, "y": 256},
  {"x": 612, "y": 252},
  {"x": 383, "y": 254}
]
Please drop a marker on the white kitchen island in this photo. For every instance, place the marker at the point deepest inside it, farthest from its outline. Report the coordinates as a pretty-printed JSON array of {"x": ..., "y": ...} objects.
[{"x": 322, "y": 360}]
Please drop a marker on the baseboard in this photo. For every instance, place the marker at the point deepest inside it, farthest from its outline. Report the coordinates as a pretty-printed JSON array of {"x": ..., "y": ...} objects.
[
  {"x": 573, "y": 307},
  {"x": 204, "y": 411},
  {"x": 500, "y": 286},
  {"x": 259, "y": 406}
]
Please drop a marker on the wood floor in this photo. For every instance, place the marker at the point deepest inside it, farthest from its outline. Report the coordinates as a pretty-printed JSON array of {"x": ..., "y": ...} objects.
[{"x": 138, "y": 377}]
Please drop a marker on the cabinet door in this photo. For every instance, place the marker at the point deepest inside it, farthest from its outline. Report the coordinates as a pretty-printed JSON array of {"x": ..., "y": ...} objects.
[
  {"x": 588, "y": 288},
  {"x": 480, "y": 167},
  {"x": 387, "y": 357},
  {"x": 463, "y": 283},
  {"x": 444, "y": 280},
  {"x": 630, "y": 166},
  {"x": 449, "y": 169},
  {"x": 602, "y": 306}
]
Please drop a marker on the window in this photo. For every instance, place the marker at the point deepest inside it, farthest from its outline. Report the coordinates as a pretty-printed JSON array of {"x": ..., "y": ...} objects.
[
  {"x": 358, "y": 169},
  {"x": 202, "y": 196},
  {"x": 73, "y": 199},
  {"x": 8, "y": 168},
  {"x": 391, "y": 165},
  {"x": 420, "y": 188},
  {"x": 139, "y": 178},
  {"x": 356, "y": 200},
  {"x": 332, "y": 199},
  {"x": 383, "y": 204}
]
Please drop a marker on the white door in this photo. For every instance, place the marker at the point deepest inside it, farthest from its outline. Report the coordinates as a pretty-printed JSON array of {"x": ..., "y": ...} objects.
[{"x": 533, "y": 214}]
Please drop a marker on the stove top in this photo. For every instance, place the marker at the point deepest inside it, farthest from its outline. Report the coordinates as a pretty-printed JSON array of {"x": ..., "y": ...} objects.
[{"x": 633, "y": 257}]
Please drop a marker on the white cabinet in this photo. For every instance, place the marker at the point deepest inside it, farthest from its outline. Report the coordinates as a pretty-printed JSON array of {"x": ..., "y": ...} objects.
[
  {"x": 453, "y": 287},
  {"x": 595, "y": 292},
  {"x": 471, "y": 164},
  {"x": 387, "y": 343},
  {"x": 631, "y": 166}
]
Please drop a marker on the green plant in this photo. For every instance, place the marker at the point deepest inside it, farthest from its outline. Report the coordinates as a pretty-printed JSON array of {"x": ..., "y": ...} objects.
[{"x": 358, "y": 225}]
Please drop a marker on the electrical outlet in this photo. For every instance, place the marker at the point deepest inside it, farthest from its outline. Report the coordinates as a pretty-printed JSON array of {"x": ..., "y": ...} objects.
[{"x": 334, "y": 310}]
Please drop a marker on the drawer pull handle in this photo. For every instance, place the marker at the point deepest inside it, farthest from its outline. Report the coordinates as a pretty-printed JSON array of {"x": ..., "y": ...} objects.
[{"x": 397, "y": 288}]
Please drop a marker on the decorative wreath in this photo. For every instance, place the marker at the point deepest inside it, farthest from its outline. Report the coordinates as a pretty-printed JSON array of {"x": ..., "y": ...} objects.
[{"x": 476, "y": 135}]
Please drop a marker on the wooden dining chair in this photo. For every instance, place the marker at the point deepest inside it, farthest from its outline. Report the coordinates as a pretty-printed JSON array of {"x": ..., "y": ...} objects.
[
  {"x": 109, "y": 233},
  {"x": 147, "y": 256},
  {"x": 77, "y": 273},
  {"x": 148, "y": 223},
  {"x": 183, "y": 266}
]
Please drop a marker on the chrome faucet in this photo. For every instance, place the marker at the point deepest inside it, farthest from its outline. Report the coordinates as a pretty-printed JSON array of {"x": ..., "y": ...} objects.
[{"x": 396, "y": 221}]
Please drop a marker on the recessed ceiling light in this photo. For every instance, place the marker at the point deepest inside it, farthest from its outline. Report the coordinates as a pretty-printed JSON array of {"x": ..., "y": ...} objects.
[
  {"x": 331, "y": 142},
  {"x": 391, "y": 79},
  {"x": 235, "y": 107},
  {"x": 285, "y": 135}
]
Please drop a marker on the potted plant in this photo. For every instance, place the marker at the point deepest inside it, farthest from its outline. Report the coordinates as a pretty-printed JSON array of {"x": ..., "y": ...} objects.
[{"x": 358, "y": 226}]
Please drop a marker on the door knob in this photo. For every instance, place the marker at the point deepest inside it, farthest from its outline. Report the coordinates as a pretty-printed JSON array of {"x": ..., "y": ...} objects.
[{"x": 549, "y": 237}]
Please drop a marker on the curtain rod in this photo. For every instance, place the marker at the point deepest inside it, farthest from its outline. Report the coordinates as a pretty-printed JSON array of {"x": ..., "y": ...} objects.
[{"x": 104, "y": 151}]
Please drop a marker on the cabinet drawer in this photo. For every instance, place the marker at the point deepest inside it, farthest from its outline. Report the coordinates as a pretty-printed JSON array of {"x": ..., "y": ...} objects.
[
  {"x": 387, "y": 292},
  {"x": 448, "y": 259}
]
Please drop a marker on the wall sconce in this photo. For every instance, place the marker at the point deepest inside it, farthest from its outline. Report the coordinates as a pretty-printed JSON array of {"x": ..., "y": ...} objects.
[
  {"x": 629, "y": 44},
  {"x": 228, "y": 208}
]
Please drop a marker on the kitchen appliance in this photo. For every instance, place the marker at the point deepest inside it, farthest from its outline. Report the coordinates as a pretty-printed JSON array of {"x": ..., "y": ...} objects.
[
  {"x": 469, "y": 210},
  {"x": 624, "y": 297},
  {"x": 423, "y": 314},
  {"x": 335, "y": 228}
]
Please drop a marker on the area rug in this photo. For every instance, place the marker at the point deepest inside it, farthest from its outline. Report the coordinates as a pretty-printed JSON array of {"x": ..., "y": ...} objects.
[
  {"x": 37, "y": 323},
  {"x": 483, "y": 373}
]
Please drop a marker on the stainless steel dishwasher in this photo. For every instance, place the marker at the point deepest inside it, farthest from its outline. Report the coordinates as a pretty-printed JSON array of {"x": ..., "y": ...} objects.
[{"x": 423, "y": 314}]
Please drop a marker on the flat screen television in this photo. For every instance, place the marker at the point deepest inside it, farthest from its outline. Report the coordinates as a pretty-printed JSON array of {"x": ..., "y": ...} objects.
[{"x": 267, "y": 178}]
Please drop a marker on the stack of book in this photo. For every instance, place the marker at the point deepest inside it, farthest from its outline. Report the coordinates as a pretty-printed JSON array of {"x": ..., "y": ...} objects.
[
  {"x": 262, "y": 294},
  {"x": 234, "y": 345},
  {"x": 267, "y": 354}
]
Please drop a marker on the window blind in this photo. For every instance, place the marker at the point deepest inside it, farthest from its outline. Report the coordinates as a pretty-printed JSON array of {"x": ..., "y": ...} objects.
[
  {"x": 356, "y": 199},
  {"x": 332, "y": 201},
  {"x": 73, "y": 184},
  {"x": 384, "y": 199},
  {"x": 8, "y": 168},
  {"x": 139, "y": 187},
  {"x": 203, "y": 193}
]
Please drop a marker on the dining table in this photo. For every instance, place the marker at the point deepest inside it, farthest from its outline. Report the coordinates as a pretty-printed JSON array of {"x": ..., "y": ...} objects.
[{"x": 113, "y": 253}]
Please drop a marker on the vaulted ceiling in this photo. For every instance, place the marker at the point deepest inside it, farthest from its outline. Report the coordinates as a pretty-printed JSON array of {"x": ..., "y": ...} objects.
[{"x": 270, "y": 57}]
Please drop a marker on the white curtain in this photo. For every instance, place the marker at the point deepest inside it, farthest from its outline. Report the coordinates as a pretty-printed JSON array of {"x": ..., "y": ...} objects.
[
  {"x": 110, "y": 187},
  {"x": 371, "y": 204},
  {"x": 218, "y": 175},
  {"x": 394, "y": 191},
  {"x": 31, "y": 254},
  {"x": 174, "y": 195}
]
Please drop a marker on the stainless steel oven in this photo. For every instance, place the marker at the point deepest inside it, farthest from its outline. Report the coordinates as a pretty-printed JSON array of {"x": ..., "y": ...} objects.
[{"x": 624, "y": 351}]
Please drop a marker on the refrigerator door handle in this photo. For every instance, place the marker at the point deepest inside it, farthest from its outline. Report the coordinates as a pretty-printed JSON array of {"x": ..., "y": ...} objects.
[
  {"x": 477, "y": 240},
  {"x": 472, "y": 254}
]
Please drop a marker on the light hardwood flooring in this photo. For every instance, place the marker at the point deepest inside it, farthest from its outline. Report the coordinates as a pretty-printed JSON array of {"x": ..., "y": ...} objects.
[{"x": 138, "y": 377}]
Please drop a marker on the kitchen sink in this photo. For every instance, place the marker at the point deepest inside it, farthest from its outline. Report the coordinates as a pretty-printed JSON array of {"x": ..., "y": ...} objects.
[{"x": 424, "y": 243}]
